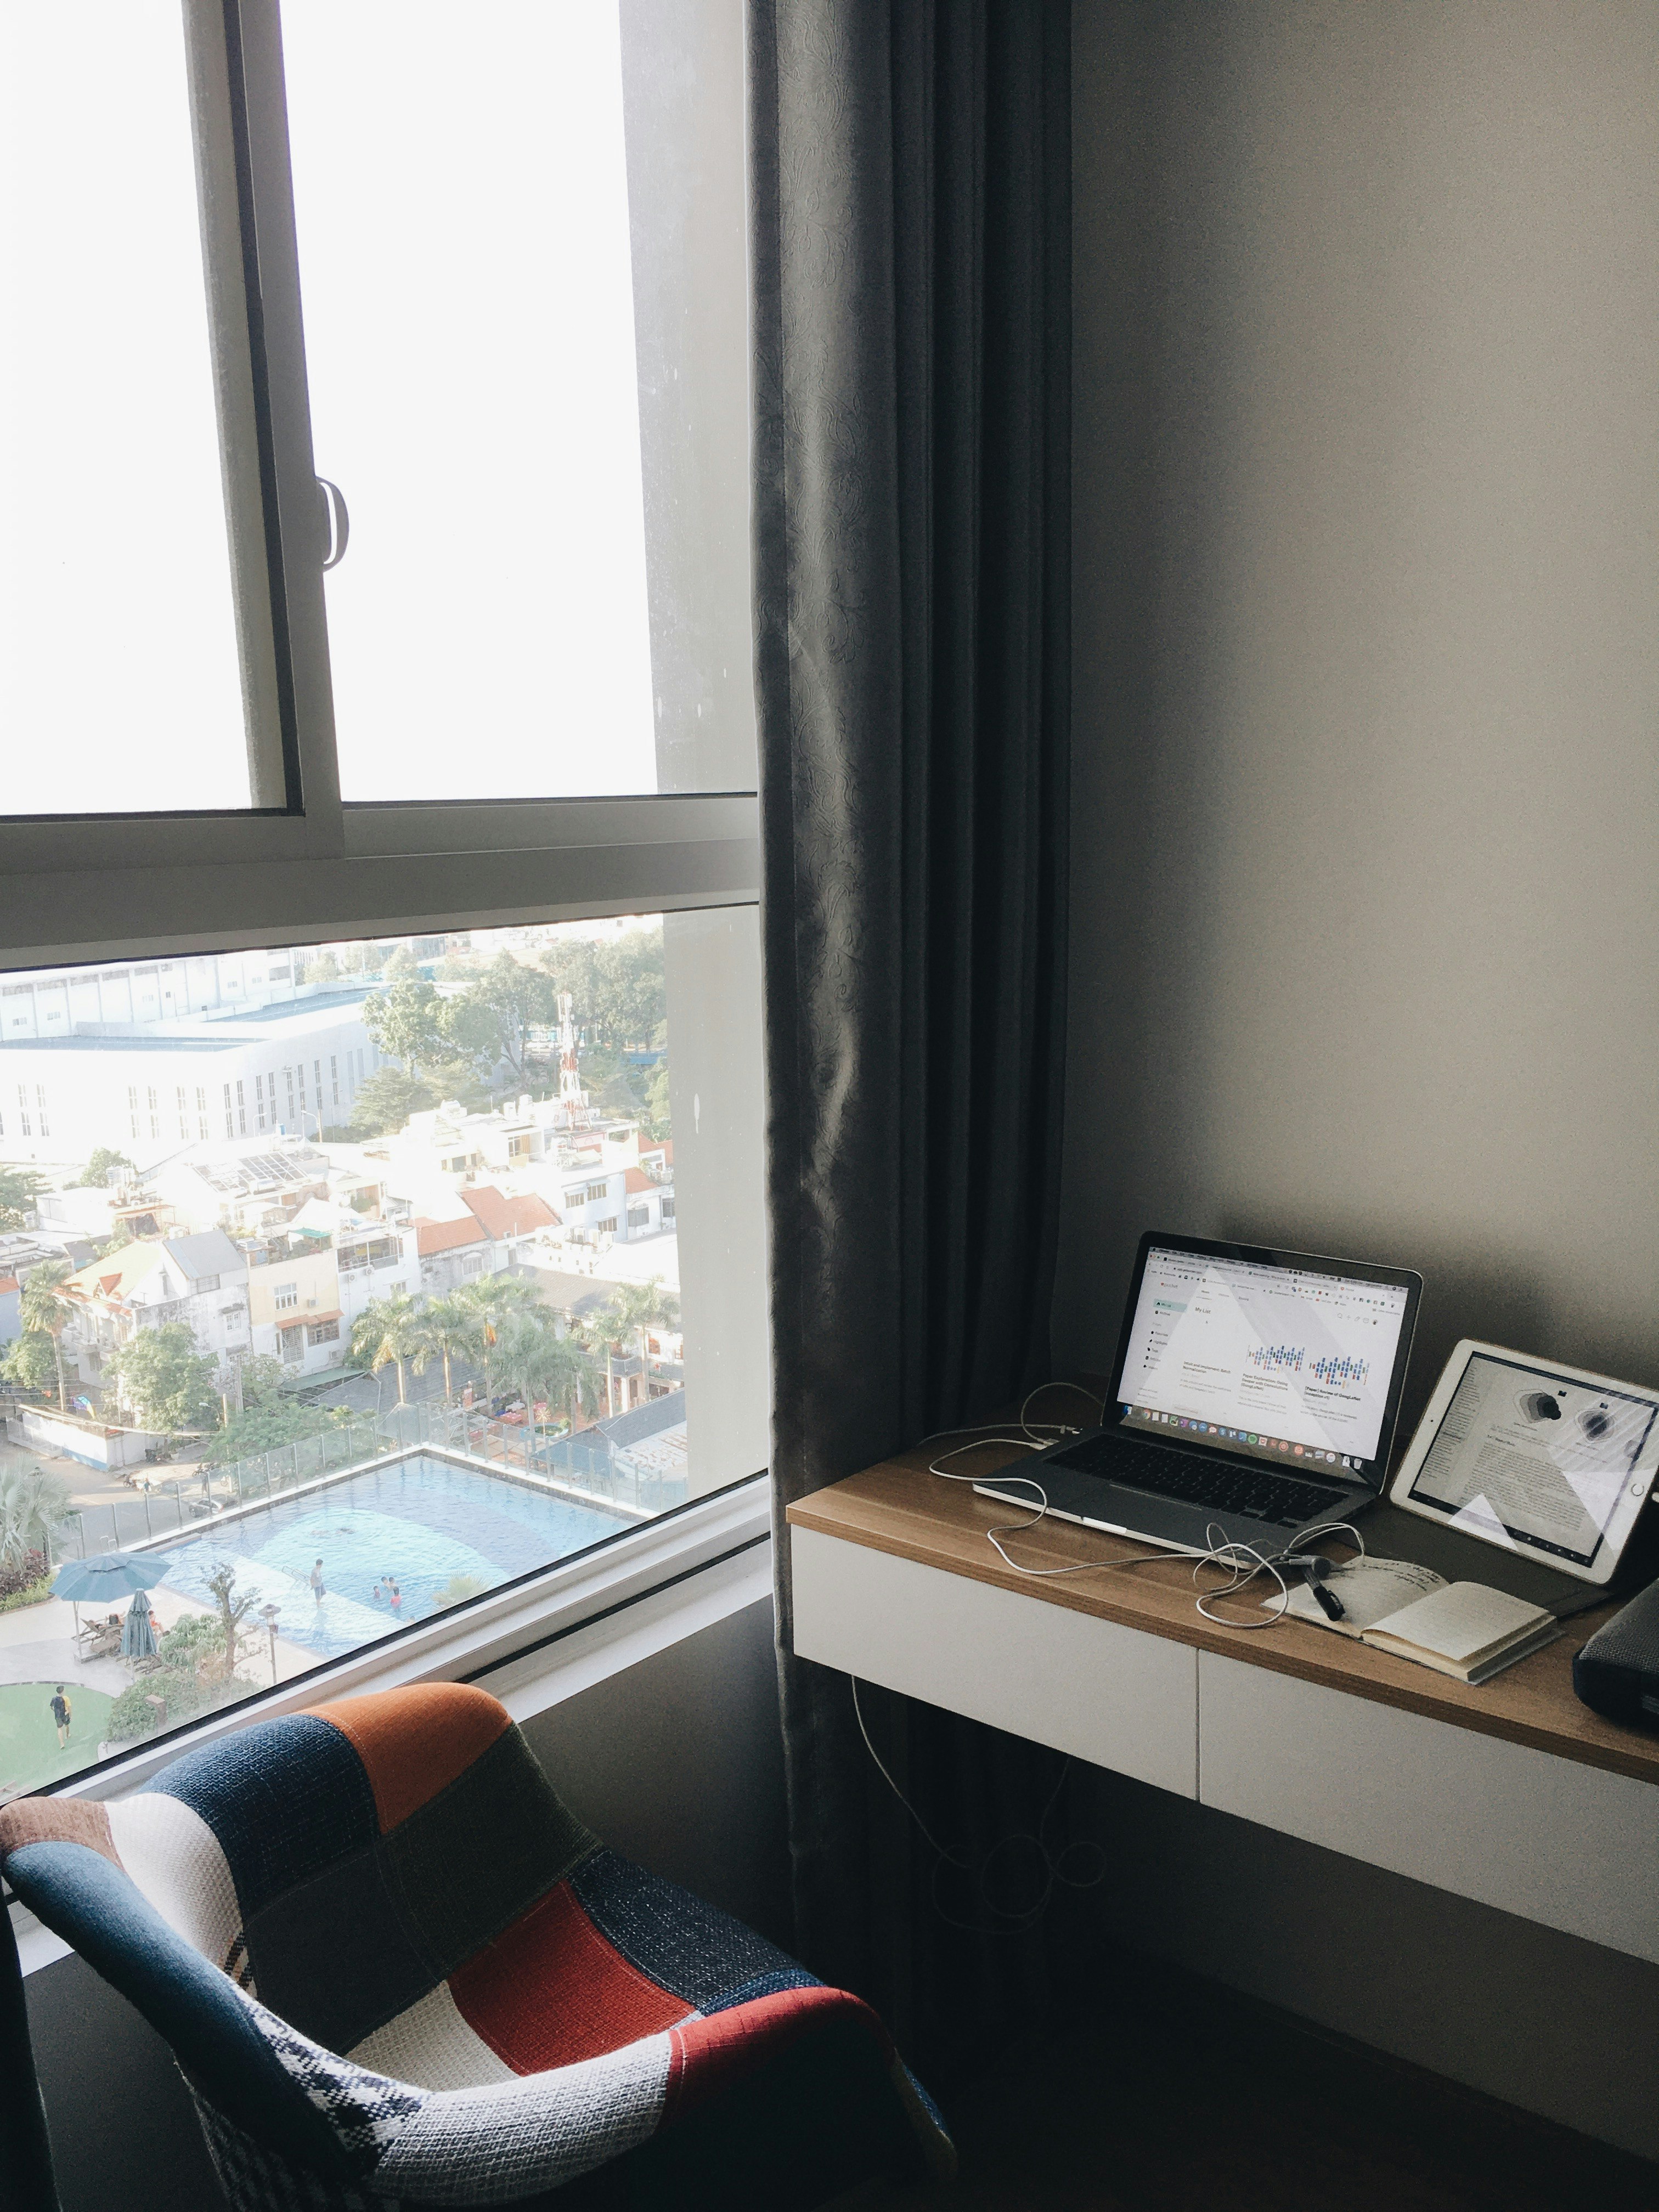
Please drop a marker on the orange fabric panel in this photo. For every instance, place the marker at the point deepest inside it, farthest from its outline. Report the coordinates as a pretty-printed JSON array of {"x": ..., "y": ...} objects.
[
  {"x": 414, "y": 1742},
  {"x": 551, "y": 1991}
]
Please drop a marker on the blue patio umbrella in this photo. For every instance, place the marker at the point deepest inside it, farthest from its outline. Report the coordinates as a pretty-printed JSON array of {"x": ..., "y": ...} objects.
[
  {"x": 137, "y": 1637},
  {"x": 109, "y": 1576}
]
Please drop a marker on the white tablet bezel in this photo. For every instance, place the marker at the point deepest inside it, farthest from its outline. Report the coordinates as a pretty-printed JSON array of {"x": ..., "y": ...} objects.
[{"x": 1632, "y": 1500}]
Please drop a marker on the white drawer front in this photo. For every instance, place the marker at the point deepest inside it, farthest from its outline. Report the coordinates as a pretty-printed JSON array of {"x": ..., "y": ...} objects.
[
  {"x": 1115, "y": 1696},
  {"x": 1569, "y": 1845}
]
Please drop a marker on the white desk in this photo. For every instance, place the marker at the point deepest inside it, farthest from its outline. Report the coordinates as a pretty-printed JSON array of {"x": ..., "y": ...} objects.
[{"x": 1513, "y": 1794}]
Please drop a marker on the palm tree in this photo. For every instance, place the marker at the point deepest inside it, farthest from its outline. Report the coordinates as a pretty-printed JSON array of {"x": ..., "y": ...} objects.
[
  {"x": 32, "y": 1503},
  {"x": 538, "y": 1363},
  {"x": 488, "y": 1300},
  {"x": 633, "y": 1312},
  {"x": 44, "y": 1310},
  {"x": 388, "y": 1331},
  {"x": 448, "y": 1325}
]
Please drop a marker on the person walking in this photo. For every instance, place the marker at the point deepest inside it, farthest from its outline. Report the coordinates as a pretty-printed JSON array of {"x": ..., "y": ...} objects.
[
  {"x": 62, "y": 1713},
  {"x": 319, "y": 1588}
]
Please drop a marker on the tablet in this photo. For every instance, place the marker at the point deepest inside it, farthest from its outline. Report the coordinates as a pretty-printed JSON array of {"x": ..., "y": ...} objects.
[{"x": 1546, "y": 1461}]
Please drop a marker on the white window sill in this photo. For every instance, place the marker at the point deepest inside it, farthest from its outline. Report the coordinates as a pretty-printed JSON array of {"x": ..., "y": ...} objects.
[{"x": 531, "y": 1646}]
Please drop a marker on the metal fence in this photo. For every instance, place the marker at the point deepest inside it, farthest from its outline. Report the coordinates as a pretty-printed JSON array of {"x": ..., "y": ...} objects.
[{"x": 588, "y": 1463}]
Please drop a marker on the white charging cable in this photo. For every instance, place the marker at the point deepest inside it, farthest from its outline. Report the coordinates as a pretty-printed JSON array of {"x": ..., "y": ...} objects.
[{"x": 1240, "y": 1561}]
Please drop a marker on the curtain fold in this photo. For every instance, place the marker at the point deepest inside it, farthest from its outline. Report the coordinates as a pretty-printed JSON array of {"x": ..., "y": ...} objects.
[{"x": 910, "y": 180}]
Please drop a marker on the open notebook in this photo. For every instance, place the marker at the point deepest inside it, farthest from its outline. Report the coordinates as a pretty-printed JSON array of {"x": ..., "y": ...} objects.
[{"x": 1462, "y": 1628}]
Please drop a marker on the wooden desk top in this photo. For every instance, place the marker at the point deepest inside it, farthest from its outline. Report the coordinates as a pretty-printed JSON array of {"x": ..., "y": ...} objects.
[{"x": 899, "y": 1507}]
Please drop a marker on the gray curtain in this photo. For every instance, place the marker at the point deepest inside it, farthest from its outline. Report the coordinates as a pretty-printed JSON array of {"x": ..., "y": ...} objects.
[{"x": 910, "y": 177}]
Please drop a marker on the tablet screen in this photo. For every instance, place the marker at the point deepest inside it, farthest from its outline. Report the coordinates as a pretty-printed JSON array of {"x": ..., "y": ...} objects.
[{"x": 1533, "y": 1456}]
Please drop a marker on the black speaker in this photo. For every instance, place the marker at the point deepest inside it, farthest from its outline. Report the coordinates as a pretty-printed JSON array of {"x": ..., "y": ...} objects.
[{"x": 1617, "y": 1672}]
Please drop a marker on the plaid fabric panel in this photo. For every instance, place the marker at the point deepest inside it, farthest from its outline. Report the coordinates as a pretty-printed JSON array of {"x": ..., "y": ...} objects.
[
  {"x": 497, "y": 2145},
  {"x": 175, "y": 1858},
  {"x": 681, "y": 1943},
  {"x": 338, "y": 1954},
  {"x": 431, "y": 2045},
  {"x": 551, "y": 1991},
  {"x": 414, "y": 1742},
  {"x": 465, "y": 1864},
  {"x": 285, "y": 1798},
  {"x": 255, "y": 2179},
  {"x": 709, "y": 2054},
  {"x": 365, "y": 2112}
]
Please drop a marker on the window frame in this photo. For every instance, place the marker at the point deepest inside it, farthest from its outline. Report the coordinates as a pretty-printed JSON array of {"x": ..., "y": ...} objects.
[
  {"x": 307, "y": 868},
  {"x": 310, "y": 858}
]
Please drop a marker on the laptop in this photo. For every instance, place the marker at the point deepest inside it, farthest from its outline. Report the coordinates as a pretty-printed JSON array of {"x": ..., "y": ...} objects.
[{"x": 1255, "y": 1393}]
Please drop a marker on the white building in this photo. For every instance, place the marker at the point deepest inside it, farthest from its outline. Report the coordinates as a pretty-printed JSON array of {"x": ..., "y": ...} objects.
[
  {"x": 154, "y": 1088},
  {"x": 201, "y": 1280}
]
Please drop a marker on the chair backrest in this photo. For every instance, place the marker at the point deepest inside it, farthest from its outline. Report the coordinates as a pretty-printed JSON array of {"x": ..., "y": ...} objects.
[
  {"x": 339, "y": 1864},
  {"x": 381, "y": 1946}
]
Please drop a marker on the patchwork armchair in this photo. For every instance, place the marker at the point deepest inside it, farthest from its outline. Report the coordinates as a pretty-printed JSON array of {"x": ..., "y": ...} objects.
[{"x": 395, "y": 1971}]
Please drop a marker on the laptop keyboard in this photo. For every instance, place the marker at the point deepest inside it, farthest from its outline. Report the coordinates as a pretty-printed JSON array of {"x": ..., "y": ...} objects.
[{"x": 1279, "y": 1499}]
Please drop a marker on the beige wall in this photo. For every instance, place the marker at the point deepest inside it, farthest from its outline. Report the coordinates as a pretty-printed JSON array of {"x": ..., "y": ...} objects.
[
  {"x": 1367, "y": 654},
  {"x": 1366, "y": 788}
]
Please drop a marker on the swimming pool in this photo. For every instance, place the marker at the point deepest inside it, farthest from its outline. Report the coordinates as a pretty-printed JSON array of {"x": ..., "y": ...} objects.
[{"x": 424, "y": 1520}]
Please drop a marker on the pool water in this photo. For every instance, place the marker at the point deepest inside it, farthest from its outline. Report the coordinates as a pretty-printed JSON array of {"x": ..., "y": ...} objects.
[{"x": 425, "y": 1522}]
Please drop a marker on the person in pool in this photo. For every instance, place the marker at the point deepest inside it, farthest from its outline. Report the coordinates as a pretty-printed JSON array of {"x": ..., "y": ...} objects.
[{"x": 394, "y": 1595}]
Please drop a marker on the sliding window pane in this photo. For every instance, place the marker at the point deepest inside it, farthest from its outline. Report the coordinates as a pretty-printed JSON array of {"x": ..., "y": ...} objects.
[
  {"x": 358, "y": 1281},
  {"x": 120, "y": 685},
  {"x": 521, "y": 243}
]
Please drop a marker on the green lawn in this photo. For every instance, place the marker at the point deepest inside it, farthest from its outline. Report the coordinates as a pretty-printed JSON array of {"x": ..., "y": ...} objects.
[{"x": 29, "y": 1742}]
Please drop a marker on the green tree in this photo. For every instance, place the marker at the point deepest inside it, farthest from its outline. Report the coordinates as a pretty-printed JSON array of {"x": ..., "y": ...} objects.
[
  {"x": 166, "y": 1380},
  {"x": 570, "y": 1377},
  {"x": 32, "y": 1503},
  {"x": 43, "y": 1307},
  {"x": 628, "y": 1317},
  {"x": 658, "y": 1115},
  {"x": 489, "y": 1019},
  {"x": 387, "y": 1333},
  {"x": 448, "y": 1326},
  {"x": 233, "y": 1610},
  {"x": 573, "y": 965},
  {"x": 632, "y": 995},
  {"x": 18, "y": 1189},
  {"x": 386, "y": 1101},
  {"x": 488, "y": 1299},
  {"x": 268, "y": 1426},
  {"x": 322, "y": 966},
  {"x": 96, "y": 1176},
  {"x": 404, "y": 1021},
  {"x": 28, "y": 1363}
]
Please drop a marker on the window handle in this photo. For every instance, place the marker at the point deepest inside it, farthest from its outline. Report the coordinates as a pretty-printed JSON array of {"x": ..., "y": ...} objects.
[{"x": 339, "y": 522}]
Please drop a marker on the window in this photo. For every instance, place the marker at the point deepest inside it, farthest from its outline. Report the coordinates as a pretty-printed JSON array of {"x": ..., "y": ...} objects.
[
  {"x": 597, "y": 1192},
  {"x": 205, "y": 1283},
  {"x": 667, "y": 1211},
  {"x": 206, "y": 876},
  {"x": 639, "y": 1217},
  {"x": 23, "y": 1108},
  {"x": 608, "y": 1226}
]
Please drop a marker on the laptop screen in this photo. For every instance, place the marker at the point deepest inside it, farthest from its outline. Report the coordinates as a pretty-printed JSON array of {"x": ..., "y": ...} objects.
[{"x": 1267, "y": 1354}]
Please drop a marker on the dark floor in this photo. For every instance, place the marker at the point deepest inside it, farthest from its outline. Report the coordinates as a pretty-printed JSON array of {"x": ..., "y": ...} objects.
[{"x": 1215, "y": 2105}]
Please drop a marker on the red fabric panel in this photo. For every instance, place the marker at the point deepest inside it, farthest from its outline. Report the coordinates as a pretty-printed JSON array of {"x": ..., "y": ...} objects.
[
  {"x": 414, "y": 1742},
  {"x": 706, "y": 2055},
  {"x": 551, "y": 1991}
]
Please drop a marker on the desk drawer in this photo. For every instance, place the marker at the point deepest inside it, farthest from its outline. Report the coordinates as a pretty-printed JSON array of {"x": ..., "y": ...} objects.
[
  {"x": 1115, "y": 1696},
  {"x": 1547, "y": 1838}
]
